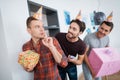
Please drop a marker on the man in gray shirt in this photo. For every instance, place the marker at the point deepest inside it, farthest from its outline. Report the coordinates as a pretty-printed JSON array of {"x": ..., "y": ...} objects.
[{"x": 97, "y": 39}]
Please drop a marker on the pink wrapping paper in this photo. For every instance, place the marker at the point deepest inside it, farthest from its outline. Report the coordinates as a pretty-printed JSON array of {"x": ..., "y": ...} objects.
[{"x": 104, "y": 61}]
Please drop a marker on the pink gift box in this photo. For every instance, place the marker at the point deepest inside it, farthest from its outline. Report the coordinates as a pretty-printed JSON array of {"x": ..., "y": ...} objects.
[{"x": 104, "y": 61}]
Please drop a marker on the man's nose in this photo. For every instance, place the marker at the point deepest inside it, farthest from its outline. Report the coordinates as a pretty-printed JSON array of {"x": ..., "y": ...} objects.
[{"x": 103, "y": 31}]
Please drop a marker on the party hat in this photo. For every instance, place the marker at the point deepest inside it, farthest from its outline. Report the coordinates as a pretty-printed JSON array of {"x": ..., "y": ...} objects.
[
  {"x": 79, "y": 15},
  {"x": 109, "y": 18},
  {"x": 38, "y": 14}
]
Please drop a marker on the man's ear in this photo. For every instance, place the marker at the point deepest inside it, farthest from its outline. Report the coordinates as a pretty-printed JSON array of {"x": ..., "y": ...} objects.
[
  {"x": 99, "y": 27},
  {"x": 28, "y": 29},
  {"x": 80, "y": 32}
]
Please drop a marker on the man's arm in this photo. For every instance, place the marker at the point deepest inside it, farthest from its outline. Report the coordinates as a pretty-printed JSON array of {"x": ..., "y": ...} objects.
[
  {"x": 57, "y": 56},
  {"x": 56, "y": 51},
  {"x": 77, "y": 61},
  {"x": 80, "y": 58},
  {"x": 87, "y": 62}
]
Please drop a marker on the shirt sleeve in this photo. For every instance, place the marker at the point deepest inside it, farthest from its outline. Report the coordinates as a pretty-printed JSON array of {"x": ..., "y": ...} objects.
[
  {"x": 108, "y": 44},
  {"x": 64, "y": 61},
  {"x": 26, "y": 46},
  {"x": 86, "y": 40}
]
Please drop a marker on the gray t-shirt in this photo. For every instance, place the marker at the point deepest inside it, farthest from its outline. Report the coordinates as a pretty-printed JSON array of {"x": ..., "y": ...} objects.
[{"x": 92, "y": 41}]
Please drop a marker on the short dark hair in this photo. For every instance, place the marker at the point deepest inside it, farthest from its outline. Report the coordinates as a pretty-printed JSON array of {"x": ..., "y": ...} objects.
[
  {"x": 81, "y": 24},
  {"x": 110, "y": 24},
  {"x": 28, "y": 21}
]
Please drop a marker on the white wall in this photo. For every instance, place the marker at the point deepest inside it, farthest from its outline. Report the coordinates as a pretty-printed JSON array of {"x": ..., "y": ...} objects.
[
  {"x": 4, "y": 64},
  {"x": 113, "y": 5},
  {"x": 13, "y": 14}
]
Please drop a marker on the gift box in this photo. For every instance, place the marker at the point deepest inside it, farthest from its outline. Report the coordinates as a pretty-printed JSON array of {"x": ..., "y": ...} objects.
[
  {"x": 28, "y": 58},
  {"x": 104, "y": 61}
]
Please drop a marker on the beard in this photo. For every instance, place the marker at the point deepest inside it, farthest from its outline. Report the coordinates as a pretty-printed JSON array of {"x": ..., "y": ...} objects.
[{"x": 70, "y": 36}]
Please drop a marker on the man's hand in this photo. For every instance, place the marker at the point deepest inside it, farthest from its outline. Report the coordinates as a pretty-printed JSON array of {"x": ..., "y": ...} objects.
[
  {"x": 48, "y": 42},
  {"x": 28, "y": 69},
  {"x": 71, "y": 59},
  {"x": 93, "y": 73}
]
